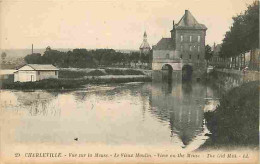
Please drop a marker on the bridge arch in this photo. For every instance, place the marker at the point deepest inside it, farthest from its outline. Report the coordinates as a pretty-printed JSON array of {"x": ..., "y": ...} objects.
[
  {"x": 187, "y": 72},
  {"x": 167, "y": 72}
]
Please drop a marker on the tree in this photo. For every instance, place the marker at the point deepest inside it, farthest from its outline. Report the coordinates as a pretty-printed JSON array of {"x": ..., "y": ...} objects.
[
  {"x": 208, "y": 53},
  {"x": 34, "y": 58},
  {"x": 53, "y": 57},
  {"x": 80, "y": 58},
  {"x": 135, "y": 57},
  {"x": 98, "y": 54},
  {"x": 48, "y": 48},
  {"x": 3, "y": 56},
  {"x": 143, "y": 58},
  {"x": 243, "y": 34}
]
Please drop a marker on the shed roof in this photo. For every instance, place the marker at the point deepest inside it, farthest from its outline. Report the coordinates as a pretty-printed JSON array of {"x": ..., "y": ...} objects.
[
  {"x": 42, "y": 67},
  {"x": 164, "y": 44}
]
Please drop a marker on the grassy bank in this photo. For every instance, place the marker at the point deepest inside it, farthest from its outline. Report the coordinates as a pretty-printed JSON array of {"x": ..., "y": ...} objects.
[
  {"x": 235, "y": 121},
  {"x": 71, "y": 83},
  {"x": 69, "y": 73}
]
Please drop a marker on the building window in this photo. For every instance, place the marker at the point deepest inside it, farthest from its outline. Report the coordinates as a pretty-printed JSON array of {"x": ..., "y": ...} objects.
[
  {"x": 39, "y": 72},
  {"x": 181, "y": 48},
  {"x": 198, "y": 56},
  {"x": 190, "y": 48},
  {"x": 56, "y": 72},
  {"x": 181, "y": 38},
  {"x": 181, "y": 56},
  {"x": 190, "y": 38},
  {"x": 198, "y": 48},
  {"x": 190, "y": 56},
  {"x": 167, "y": 56},
  {"x": 198, "y": 38}
]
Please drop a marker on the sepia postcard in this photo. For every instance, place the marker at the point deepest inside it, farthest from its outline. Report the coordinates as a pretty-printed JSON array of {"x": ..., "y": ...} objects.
[{"x": 120, "y": 81}]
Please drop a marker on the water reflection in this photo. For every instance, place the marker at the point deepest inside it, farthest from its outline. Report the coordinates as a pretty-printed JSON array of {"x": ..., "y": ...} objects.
[
  {"x": 133, "y": 113},
  {"x": 182, "y": 105},
  {"x": 34, "y": 103}
]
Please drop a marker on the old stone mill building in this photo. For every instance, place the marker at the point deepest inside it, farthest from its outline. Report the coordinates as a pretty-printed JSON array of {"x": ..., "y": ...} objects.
[{"x": 182, "y": 55}]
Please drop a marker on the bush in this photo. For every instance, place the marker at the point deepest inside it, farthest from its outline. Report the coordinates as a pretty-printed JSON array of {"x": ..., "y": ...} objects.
[
  {"x": 71, "y": 74},
  {"x": 68, "y": 83},
  {"x": 123, "y": 72},
  {"x": 96, "y": 73},
  {"x": 236, "y": 119},
  {"x": 43, "y": 84}
]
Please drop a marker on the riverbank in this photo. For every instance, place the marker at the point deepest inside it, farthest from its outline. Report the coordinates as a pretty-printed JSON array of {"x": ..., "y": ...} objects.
[
  {"x": 80, "y": 73},
  {"x": 235, "y": 121},
  {"x": 70, "y": 78},
  {"x": 67, "y": 83},
  {"x": 227, "y": 79}
]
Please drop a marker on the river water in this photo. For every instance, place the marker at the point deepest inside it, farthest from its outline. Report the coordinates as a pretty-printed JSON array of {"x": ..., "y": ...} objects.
[{"x": 114, "y": 114}]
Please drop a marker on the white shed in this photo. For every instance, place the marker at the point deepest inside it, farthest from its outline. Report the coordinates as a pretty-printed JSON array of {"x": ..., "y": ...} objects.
[{"x": 35, "y": 72}]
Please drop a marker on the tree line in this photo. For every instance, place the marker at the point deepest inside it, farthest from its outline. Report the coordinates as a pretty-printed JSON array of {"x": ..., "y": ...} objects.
[
  {"x": 243, "y": 35},
  {"x": 83, "y": 58}
]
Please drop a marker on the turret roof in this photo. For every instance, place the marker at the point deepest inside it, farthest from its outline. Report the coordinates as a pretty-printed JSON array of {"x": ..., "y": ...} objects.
[{"x": 189, "y": 22}]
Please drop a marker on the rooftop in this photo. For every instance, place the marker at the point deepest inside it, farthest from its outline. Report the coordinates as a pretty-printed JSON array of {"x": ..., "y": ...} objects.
[
  {"x": 164, "y": 44},
  {"x": 189, "y": 22},
  {"x": 145, "y": 45},
  {"x": 42, "y": 67}
]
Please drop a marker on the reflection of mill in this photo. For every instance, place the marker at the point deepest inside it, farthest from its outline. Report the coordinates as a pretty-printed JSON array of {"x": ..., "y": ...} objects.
[
  {"x": 182, "y": 105},
  {"x": 38, "y": 103}
]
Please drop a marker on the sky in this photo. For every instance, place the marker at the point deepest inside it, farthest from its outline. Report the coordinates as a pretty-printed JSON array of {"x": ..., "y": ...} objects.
[{"x": 117, "y": 24}]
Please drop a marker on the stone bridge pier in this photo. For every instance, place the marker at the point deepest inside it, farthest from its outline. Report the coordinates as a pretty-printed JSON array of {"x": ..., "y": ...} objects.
[{"x": 177, "y": 71}]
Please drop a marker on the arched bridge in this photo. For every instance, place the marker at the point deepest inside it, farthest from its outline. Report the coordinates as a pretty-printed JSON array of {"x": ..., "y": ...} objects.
[{"x": 168, "y": 70}]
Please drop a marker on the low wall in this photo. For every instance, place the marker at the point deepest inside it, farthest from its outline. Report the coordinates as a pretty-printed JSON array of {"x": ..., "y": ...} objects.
[
  {"x": 228, "y": 78},
  {"x": 245, "y": 76}
]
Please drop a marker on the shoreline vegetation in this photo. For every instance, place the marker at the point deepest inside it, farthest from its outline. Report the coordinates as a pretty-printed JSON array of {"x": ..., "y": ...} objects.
[
  {"x": 80, "y": 73},
  {"x": 235, "y": 121},
  {"x": 77, "y": 78}
]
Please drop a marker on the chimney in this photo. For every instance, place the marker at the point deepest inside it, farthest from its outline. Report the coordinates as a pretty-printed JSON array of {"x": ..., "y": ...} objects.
[
  {"x": 186, "y": 17},
  {"x": 186, "y": 12}
]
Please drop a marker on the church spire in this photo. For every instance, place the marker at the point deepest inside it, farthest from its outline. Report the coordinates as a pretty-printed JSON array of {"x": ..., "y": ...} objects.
[
  {"x": 145, "y": 47},
  {"x": 145, "y": 37}
]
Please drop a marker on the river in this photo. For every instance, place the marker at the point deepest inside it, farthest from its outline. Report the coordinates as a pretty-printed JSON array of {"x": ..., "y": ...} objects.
[{"x": 114, "y": 114}]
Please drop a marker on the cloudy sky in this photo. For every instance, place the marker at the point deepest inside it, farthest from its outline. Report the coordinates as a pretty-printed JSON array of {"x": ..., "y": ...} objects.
[{"x": 117, "y": 24}]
